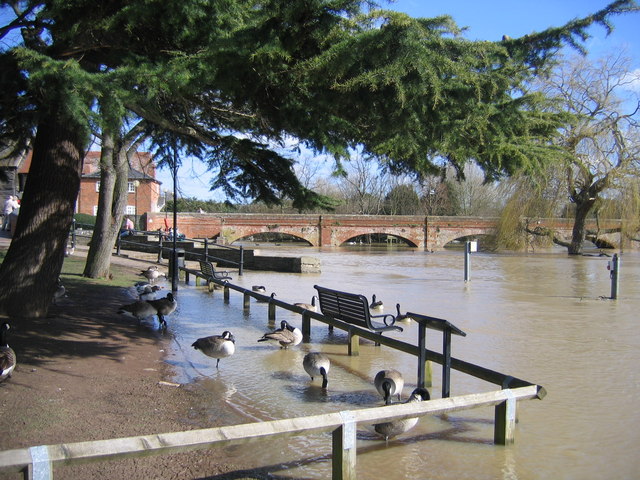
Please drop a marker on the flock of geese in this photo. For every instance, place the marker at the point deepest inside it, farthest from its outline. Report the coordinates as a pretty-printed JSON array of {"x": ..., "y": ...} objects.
[{"x": 389, "y": 383}]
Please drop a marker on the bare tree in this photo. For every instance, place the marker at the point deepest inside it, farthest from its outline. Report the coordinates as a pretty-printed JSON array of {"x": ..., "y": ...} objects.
[
  {"x": 363, "y": 186},
  {"x": 600, "y": 146},
  {"x": 471, "y": 195}
]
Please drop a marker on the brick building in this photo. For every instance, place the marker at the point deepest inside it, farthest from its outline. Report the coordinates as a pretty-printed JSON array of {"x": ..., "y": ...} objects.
[{"x": 143, "y": 188}]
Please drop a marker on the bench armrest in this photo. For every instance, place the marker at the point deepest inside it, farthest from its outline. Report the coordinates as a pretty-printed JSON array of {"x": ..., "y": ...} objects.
[{"x": 388, "y": 319}]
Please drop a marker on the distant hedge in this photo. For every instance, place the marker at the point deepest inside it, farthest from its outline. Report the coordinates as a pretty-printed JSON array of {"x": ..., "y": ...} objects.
[{"x": 85, "y": 221}]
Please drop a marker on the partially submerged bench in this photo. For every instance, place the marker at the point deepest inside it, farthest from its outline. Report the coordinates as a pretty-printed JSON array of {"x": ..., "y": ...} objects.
[
  {"x": 210, "y": 273},
  {"x": 353, "y": 309}
]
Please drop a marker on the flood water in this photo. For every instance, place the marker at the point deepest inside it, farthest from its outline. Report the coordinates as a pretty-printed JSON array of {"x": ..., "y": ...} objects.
[{"x": 545, "y": 318}]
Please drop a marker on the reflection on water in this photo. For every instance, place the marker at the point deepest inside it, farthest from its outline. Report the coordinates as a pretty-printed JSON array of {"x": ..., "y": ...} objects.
[{"x": 543, "y": 318}]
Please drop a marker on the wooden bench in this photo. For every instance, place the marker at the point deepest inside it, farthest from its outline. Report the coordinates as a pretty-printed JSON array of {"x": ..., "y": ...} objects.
[
  {"x": 210, "y": 273},
  {"x": 353, "y": 309}
]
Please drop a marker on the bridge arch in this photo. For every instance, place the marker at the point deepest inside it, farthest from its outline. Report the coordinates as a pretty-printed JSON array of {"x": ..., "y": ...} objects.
[
  {"x": 388, "y": 238},
  {"x": 272, "y": 237}
]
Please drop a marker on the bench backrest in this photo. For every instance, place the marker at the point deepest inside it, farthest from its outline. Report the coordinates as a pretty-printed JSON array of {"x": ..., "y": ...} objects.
[
  {"x": 207, "y": 268},
  {"x": 348, "y": 307}
]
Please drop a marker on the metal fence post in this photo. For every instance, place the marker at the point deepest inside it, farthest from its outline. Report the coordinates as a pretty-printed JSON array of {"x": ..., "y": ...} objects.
[{"x": 241, "y": 268}]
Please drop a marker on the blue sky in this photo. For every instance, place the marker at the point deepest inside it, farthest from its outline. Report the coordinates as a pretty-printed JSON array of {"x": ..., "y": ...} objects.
[{"x": 485, "y": 20}]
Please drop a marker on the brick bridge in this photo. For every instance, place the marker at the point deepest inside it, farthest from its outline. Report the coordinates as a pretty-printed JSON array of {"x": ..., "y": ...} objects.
[{"x": 431, "y": 233}]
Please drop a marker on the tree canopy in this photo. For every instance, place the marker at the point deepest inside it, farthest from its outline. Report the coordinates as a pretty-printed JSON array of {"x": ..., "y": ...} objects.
[{"x": 227, "y": 79}]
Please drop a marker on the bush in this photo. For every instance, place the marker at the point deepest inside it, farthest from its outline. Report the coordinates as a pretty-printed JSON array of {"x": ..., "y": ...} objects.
[{"x": 84, "y": 221}]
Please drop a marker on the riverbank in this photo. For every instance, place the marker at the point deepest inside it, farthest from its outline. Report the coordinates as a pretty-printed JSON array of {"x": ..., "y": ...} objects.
[{"x": 86, "y": 373}]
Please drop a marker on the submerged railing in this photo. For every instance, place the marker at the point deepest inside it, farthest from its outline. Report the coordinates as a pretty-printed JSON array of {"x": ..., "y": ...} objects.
[{"x": 37, "y": 462}]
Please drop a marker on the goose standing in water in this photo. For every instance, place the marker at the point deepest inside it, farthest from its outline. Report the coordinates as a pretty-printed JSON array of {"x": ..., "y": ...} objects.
[
  {"x": 164, "y": 306},
  {"x": 376, "y": 304},
  {"x": 217, "y": 346},
  {"x": 286, "y": 335},
  {"x": 317, "y": 364},
  {"x": 307, "y": 306},
  {"x": 401, "y": 317},
  {"x": 388, "y": 383},
  {"x": 7, "y": 355},
  {"x": 396, "y": 427}
]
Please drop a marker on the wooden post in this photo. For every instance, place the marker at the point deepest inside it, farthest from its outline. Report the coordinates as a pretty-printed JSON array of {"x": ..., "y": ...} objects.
[
  {"x": 354, "y": 344},
  {"x": 226, "y": 293},
  {"x": 306, "y": 327},
  {"x": 343, "y": 458},
  {"x": 159, "y": 246},
  {"x": 246, "y": 302},
  {"x": 505, "y": 421},
  {"x": 272, "y": 312},
  {"x": 40, "y": 468}
]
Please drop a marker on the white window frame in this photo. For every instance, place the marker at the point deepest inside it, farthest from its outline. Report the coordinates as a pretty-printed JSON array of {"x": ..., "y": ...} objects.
[
  {"x": 95, "y": 209},
  {"x": 131, "y": 187},
  {"x": 98, "y": 186},
  {"x": 130, "y": 210}
]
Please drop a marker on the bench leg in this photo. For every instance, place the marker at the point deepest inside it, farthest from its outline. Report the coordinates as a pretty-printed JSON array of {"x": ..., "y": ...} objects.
[
  {"x": 354, "y": 345},
  {"x": 210, "y": 286}
]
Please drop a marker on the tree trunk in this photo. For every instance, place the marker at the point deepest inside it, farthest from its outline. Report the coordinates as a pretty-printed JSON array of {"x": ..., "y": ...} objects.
[
  {"x": 579, "y": 232},
  {"x": 33, "y": 262},
  {"x": 114, "y": 171}
]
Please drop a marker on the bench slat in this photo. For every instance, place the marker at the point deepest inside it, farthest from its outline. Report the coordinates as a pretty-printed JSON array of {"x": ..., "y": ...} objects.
[{"x": 351, "y": 308}]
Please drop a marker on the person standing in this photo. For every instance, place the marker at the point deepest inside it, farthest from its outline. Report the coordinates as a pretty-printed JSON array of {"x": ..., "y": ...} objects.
[{"x": 10, "y": 205}]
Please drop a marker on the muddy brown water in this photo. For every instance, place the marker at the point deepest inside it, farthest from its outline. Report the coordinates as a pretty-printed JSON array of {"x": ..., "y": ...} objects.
[{"x": 544, "y": 318}]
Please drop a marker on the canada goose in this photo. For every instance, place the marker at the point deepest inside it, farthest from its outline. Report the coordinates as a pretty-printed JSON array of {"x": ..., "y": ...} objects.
[
  {"x": 152, "y": 274},
  {"x": 164, "y": 306},
  {"x": 306, "y": 306},
  {"x": 376, "y": 304},
  {"x": 140, "y": 310},
  {"x": 148, "y": 292},
  {"x": 69, "y": 251},
  {"x": 259, "y": 288},
  {"x": 388, "y": 383},
  {"x": 286, "y": 335},
  {"x": 396, "y": 427},
  {"x": 272, "y": 296},
  {"x": 60, "y": 291},
  {"x": 315, "y": 364},
  {"x": 216, "y": 346},
  {"x": 401, "y": 317},
  {"x": 7, "y": 355}
]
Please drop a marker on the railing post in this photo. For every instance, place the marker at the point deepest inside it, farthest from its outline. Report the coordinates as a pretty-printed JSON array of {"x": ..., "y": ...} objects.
[
  {"x": 424, "y": 365},
  {"x": 206, "y": 250},
  {"x": 505, "y": 421},
  {"x": 241, "y": 267},
  {"x": 246, "y": 301},
  {"x": 306, "y": 327},
  {"x": 73, "y": 233},
  {"x": 354, "y": 344},
  {"x": 40, "y": 468},
  {"x": 226, "y": 293},
  {"x": 446, "y": 362},
  {"x": 159, "y": 246},
  {"x": 343, "y": 446},
  {"x": 272, "y": 312}
]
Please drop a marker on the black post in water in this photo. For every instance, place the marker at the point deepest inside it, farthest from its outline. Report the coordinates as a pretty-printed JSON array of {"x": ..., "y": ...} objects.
[
  {"x": 174, "y": 256},
  {"x": 615, "y": 277},
  {"x": 467, "y": 260}
]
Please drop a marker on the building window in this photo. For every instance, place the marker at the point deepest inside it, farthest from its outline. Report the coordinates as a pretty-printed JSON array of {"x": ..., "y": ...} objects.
[
  {"x": 131, "y": 187},
  {"x": 130, "y": 210},
  {"x": 95, "y": 209},
  {"x": 98, "y": 186}
]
